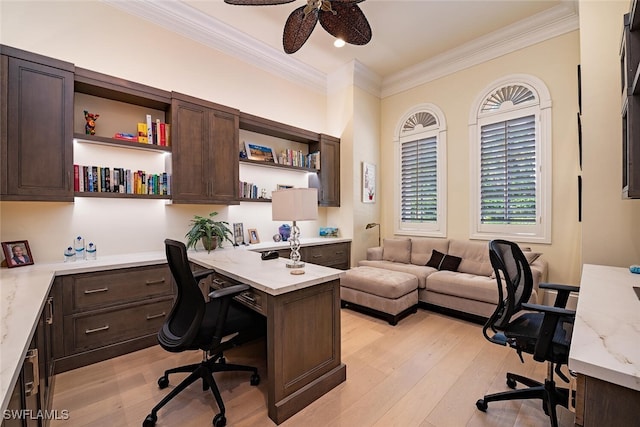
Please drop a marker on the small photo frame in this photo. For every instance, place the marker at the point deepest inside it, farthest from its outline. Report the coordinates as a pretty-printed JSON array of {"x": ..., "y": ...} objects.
[
  {"x": 260, "y": 153},
  {"x": 253, "y": 236},
  {"x": 368, "y": 183},
  {"x": 238, "y": 234},
  {"x": 17, "y": 254}
]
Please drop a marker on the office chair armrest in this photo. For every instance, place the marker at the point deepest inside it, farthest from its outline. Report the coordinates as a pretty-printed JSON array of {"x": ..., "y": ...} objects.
[
  {"x": 552, "y": 316},
  {"x": 560, "y": 287},
  {"x": 229, "y": 290},
  {"x": 201, "y": 274}
]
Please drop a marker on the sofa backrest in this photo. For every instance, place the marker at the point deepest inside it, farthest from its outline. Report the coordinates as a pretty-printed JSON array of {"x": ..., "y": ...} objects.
[
  {"x": 475, "y": 256},
  {"x": 422, "y": 247},
  {"x": 397, "y": 250}
]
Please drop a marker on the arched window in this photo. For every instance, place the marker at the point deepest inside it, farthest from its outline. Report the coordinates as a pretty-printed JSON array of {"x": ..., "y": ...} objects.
[
  {"x": 421, "y": 172},
  {"x": 510, "y": 136}
]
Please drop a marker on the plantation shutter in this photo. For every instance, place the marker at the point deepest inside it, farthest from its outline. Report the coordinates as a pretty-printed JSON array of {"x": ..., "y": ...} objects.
[
  {"x": 508, "y": 172},
  {"x": 419, "y": 196}
]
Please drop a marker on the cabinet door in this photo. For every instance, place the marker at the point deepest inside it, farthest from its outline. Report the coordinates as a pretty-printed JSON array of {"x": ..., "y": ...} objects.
[
  {"x": 37, "y": 142},
  {"x": 328, "y": 180},
  {"x": 205, "y": 157}
]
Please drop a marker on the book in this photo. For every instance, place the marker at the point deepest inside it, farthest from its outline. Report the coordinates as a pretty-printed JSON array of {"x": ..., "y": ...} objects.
[
  {"x": 167, "y": 134},
  {"x": 126, "y": 137},
  {"x": 163, "y": 134},
  {"x": 156, "y": 137},
  {"x": 143, "y": 135},
  {"x": 149, "y": 130},
  {"x": 76, "y": 178}
]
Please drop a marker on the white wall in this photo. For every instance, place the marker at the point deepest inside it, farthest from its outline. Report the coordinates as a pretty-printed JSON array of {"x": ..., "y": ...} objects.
[
  {"x": 553, "y": 61},
  {"x": 611, "y": 235},
  {"x": 98, "y": 37}
]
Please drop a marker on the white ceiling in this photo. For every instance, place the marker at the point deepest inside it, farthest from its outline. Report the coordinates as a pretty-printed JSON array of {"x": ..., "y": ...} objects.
[{"x": 409, "y": 36}]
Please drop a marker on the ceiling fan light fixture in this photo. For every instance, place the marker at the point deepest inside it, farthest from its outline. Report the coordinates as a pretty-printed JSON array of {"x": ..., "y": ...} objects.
[{"x": 339, "y": 42}]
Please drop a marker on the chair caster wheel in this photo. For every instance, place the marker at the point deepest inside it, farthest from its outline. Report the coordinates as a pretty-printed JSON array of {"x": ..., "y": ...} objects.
[
  {"x": 482, "y": 405},
  {"x": 163, "y": 382},
  {"x": 255, "y": 379},
  {"x": 219, "y": 421},
  {"x": 511, "y": 383},
  {"x": 150, "y": 421}
]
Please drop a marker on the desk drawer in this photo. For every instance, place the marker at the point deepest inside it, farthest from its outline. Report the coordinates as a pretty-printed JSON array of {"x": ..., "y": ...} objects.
[
  {"x": 331, "y": 255},
  {"x": 98, "y": 329},
  {"x": 101, "y": 289},
  {"x": 252, "y": 298}
]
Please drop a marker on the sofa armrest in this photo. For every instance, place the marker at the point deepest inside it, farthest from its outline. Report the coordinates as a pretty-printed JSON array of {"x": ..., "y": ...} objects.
[
  {"x": 539, "y": 273},
  {"x": 374, "y": 254}
]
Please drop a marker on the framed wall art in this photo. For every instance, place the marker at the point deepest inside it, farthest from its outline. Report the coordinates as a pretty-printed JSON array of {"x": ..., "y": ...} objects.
[
  {"x": 17, "y": 254},
  {"x": 368, "y": 183}
]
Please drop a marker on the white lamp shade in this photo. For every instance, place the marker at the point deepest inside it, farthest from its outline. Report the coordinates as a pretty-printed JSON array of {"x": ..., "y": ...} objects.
[{"x": 294, "y": 204}]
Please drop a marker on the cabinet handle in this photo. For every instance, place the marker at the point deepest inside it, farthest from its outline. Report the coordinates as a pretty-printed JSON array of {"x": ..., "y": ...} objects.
[
  {"x": 248, "y": 296},
  {"x": 95, "y": 291},
  {"x": 155, "y": 282},
  {"x": 49, "y": 319},
  {"x": 102, "y": 328},
  {"x": 340, "y": 253},
  {"x": 155, "y": 316},
  {"x": 219, "y": 282},
  {"x": 316, "y": 256},
  {"x": 31, "y": 388}
]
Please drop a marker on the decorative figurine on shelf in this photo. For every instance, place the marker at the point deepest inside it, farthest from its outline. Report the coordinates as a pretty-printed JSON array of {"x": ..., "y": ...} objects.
[
  {"x": 90, "y": 126},
  {"x": 285, "y": 232}
]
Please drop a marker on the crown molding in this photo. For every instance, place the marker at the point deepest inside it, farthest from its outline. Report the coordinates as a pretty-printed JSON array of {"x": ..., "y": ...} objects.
[
  {"x": 354, "y": 73},
  {"x": 543, "y": 26},
  {"x": 183, "y": 19}
]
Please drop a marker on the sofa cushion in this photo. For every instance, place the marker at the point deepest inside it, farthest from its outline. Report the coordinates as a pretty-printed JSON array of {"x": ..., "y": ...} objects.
[
  {"x": 464, "y": 285},
  {"x": 443, "y": 261},
  {"x": 420, "y": 271},
  {"x": 475, "y": 257},
  {"x": 397, "y": 250},
  {"x": 380, "y": 282},
  {"x": 422, "y": 247}
]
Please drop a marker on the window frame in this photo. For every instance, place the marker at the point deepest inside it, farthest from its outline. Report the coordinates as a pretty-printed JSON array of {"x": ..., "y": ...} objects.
[
  {"x": 439, "y": 131},
  {"x": 541, "y": 108}
]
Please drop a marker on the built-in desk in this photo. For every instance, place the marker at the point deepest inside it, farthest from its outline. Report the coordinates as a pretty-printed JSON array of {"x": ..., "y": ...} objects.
[
  {"x": 605, "y": 348},
  {"x": 303, "y": 325}
]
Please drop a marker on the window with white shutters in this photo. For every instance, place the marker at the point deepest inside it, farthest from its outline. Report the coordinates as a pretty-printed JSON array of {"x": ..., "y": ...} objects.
[
  {"x": 510, "y": 159},
  {"x": 421, "y": 166}
]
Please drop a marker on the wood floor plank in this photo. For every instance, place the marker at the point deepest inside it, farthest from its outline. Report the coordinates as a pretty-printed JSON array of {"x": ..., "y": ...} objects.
[{"x": 427, "y": 371}]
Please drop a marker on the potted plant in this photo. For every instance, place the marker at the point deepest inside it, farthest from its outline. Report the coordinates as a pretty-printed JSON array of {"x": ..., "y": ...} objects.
[{"x": 212, "y": 233}]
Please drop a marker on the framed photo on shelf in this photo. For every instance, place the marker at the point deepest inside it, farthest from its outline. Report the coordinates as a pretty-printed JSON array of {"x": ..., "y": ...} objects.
[
  {"x": 368, "y": 183},
  {"x": 253, "y": 236},
  {"x": 17, "y": 254},
  {"x": 283, "y": 187},
  {"x": 260, "y": 153}
]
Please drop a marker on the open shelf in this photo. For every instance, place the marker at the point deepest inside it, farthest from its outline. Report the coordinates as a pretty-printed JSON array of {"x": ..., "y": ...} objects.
[
  {"x": 94, "y": 139},
  {"x": 276, "y": 165}
]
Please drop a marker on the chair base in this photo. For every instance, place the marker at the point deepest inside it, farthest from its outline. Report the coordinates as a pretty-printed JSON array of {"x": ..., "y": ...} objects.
[
  {"x": 550, "y": 395},
  {"x": 203, "y": 370}
]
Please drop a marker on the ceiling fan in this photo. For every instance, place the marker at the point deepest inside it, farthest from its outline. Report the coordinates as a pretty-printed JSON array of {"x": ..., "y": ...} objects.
[{"x": 342, "y": 19}]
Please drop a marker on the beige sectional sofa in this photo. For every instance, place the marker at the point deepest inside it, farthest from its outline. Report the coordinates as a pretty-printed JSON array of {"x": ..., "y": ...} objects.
[{"x": 471, "y": 290}]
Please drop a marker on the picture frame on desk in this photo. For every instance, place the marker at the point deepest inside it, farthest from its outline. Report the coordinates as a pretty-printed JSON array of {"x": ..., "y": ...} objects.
[
  {"x": 238, "y": 234},
  {"x": 17, "y": 253},
  {"x": 260, "y": 153},
  {"x": 253, "y": 236}
]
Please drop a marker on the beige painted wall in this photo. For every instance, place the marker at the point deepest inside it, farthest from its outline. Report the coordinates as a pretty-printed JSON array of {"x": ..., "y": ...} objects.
[
  {"x": 98, "y": 37},
  {"x": 554, "y": 62},
  {"x": 611, "y": 235}
]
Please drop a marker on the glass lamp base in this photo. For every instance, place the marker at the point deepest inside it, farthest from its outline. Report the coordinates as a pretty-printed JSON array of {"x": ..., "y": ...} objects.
[{"x": 293, "y": 264}]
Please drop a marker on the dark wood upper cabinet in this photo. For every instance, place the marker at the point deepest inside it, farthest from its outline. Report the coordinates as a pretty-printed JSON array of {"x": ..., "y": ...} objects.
[
  {"x": 36, "y": 138},
  {"x": 630, "y": 76},
  {"x": 328, "y": 178},
  {"x": 205, "y": 151}
]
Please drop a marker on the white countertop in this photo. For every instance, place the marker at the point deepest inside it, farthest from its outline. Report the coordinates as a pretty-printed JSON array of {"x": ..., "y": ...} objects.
[
  {"x": 23, "y": 290},
  {"x": 606, "y": 335}
]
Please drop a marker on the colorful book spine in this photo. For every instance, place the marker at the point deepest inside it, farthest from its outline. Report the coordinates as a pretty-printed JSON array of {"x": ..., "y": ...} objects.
[
  {"x": 143, "y": 135},
  {"x": 149, "y": 130}
]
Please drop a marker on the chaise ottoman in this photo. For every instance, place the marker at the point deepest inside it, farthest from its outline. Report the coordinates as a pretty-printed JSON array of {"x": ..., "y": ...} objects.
[{"x": 381, "y": 292}]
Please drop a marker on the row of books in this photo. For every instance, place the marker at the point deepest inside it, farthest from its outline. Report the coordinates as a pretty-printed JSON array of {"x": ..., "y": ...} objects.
[
  {"x": 298, "y": 158},
  {"x": 248, "y": 190},
  {"x": 149, "y": 132},
  {"x": 97, "y": 179}
]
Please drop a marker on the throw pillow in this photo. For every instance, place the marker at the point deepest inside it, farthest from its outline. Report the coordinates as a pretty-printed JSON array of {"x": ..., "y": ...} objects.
[
  {"x": 531, "y": 256},
  {"x": 442, "y": 261},
  {"x": 397, "y": 250}
]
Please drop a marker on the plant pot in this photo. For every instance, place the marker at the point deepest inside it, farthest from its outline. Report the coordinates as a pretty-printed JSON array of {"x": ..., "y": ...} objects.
[{"x": 210, "y": 244}]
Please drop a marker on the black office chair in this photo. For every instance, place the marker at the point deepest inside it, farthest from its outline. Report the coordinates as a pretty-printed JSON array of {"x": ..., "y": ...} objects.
[
  {"x": 543, "y": 331},
  {"x": 195, "y": 324}
]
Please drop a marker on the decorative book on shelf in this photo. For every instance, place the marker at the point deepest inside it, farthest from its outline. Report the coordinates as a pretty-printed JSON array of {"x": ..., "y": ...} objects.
[
  {"x": 150, "y": 132},
  {"x": 97, "y": 179},
  {"x": 248, "y": 190}
]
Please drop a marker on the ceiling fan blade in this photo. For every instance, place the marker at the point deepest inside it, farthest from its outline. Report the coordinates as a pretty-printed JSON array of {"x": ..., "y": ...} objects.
[
  {"x": 348, "y": 22},
  {"x": 298, "y": 28},
  {"x": 257, "y": 2}
]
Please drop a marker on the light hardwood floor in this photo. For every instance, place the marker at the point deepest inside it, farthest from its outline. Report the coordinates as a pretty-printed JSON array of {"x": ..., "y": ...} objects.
[{"x": 427, "y": 371}]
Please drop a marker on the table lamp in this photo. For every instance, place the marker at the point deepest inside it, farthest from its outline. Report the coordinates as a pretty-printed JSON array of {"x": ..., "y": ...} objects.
[{"x": 295, "y": 204}]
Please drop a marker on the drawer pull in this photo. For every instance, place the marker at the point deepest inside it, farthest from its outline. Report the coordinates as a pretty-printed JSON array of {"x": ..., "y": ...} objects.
[
  {"x": 316, "y": 256},
  {"x": 248, "y": 296},
  {"x": 90, "y": 331},
  {"x": 95, "y": 291},
  {"x": 340, "y": 253},
  {"x": 155, "y": 282},
  {"x": 155, "y": 316},
  {"x": 219, "y": 282},
  {"x": 49, "y": 318},
  {"x": 32, "y": 387}
]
